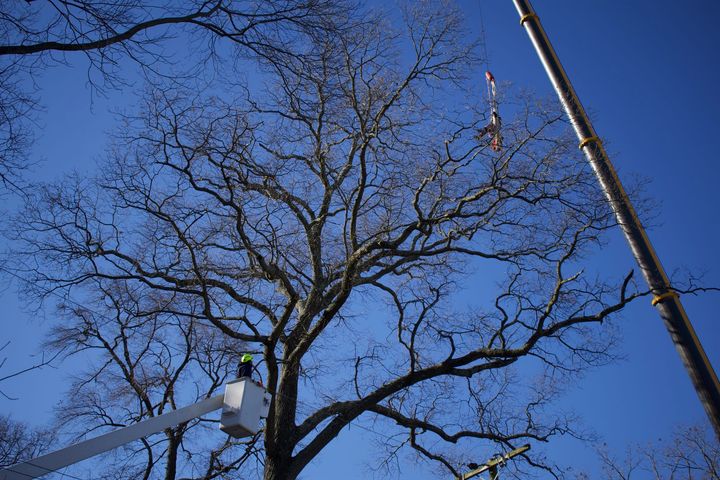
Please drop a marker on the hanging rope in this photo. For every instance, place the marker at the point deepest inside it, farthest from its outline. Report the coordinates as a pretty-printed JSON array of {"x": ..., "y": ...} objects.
[
  {"x": 492, "y": 129},
  {"x": 486, "y": 57}
]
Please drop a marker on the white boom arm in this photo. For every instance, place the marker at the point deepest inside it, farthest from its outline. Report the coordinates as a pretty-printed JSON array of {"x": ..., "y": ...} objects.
[
  {"x": 80, "y": 451},
  {"x": 243, "y": 404}
]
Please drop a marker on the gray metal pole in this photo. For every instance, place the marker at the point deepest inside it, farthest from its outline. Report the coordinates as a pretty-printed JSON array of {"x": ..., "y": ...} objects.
[{"x": 665, "y": 299}]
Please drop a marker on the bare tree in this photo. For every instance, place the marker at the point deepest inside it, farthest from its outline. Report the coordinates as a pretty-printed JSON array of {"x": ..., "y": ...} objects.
[
  {"x": 18, "y": 442},
  {"x": 333, "y": 216},
  {"x": 691, "y": 453},
  {"x": 37, "y": 34},
  {"x": 150, "y": 360}
]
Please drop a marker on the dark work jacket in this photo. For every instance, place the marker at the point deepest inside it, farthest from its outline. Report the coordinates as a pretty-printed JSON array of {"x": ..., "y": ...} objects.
[{"x": 245, "y": 369}]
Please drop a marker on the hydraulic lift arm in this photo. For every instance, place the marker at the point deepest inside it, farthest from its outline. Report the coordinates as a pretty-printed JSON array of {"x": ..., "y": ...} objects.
[
  {"x": 51, "y": 462},
  {"x": 243, "y": 403}
]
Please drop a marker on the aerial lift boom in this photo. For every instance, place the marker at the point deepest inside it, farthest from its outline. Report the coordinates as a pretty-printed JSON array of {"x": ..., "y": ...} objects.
[{"x": 243, "y": 403}]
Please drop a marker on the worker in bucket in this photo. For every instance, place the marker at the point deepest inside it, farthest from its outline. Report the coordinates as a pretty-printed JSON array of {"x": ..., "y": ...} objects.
[{"x": 246, "y": 366}]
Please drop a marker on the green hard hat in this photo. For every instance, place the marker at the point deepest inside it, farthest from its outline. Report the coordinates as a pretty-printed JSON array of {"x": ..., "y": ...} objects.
[{"x": 246, "y": 358}]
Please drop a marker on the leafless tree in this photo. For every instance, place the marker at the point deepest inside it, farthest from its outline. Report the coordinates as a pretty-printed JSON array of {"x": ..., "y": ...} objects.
[
  {"x": 149, "y": 361},
  {"x": 338, "y": 216},
  {"x": 18, "y": 442},
  {"x": 691, "y": 453},
  {"x": 110, "y": 35}
]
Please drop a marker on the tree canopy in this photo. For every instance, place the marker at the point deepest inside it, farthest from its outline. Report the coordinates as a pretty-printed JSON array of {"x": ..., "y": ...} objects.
[
  {"x": 336, "y": 216},
  {"x": 114, "y": 35}
]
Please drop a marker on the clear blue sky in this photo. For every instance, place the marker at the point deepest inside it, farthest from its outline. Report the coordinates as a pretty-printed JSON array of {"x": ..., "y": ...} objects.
[{"x": 648, "y": 71}]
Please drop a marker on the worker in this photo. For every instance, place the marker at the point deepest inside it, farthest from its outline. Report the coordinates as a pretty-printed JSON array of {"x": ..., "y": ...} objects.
[
  {"x": 492, "y": 129},
  {"x": 246, "y": 366}
]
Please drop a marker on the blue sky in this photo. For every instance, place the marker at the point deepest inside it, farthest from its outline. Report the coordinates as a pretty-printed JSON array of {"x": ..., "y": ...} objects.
[
  {"x": 648, "y": 74},
  {"x": 649, "y": 78}
]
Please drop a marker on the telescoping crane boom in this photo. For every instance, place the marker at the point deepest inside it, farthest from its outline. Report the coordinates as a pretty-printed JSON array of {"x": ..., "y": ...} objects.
[
  {"x": 665, "y": 298},
  {"x": 243, "y": 403}
]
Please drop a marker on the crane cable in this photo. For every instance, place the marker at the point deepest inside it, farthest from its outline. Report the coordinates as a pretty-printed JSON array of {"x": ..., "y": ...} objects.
[
  {"x": 483, "y": 38},
  {"x": 492, "y": 129}
]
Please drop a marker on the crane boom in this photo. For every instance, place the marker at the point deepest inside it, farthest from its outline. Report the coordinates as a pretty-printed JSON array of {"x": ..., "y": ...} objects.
[{"x": 665, "y": 298}]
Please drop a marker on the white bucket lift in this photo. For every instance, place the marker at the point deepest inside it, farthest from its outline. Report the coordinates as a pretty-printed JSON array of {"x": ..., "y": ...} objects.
[{"x": 243, "y": 405}]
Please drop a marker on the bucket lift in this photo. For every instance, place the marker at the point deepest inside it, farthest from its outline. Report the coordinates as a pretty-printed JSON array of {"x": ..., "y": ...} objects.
[{"x": 243, "y": 404}]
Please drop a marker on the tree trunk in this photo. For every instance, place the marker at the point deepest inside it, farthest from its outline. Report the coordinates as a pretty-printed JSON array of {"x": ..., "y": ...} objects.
[
  {"x": 280, "y": 427},
  {"x": 278, "y": 468},
  {"x": 170, "y": 471}
]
